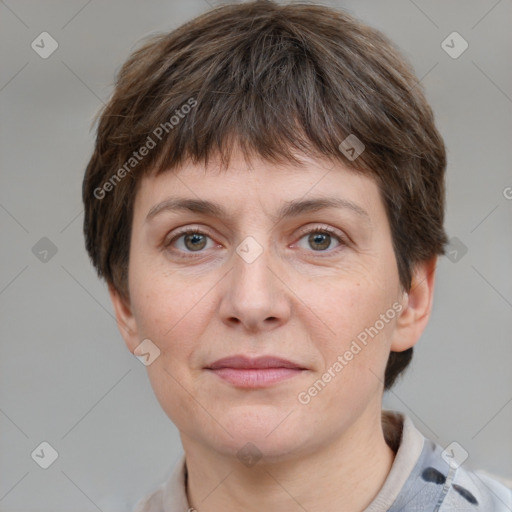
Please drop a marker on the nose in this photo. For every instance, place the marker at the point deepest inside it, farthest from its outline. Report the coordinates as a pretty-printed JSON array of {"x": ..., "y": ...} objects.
[{"x": 255, "y": 296}]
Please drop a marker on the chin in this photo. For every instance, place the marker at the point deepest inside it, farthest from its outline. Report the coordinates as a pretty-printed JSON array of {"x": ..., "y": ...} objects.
[{"x": 265, "y": 438}]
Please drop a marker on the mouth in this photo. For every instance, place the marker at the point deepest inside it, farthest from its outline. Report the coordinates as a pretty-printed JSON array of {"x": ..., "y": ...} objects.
[{"x": 264, "y": 371}]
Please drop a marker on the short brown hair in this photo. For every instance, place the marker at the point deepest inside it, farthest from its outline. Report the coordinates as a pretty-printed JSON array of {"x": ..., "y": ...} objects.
[{"x": 276, "y": 80}]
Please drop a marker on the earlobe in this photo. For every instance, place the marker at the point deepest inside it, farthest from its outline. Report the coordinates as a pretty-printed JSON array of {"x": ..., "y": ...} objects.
[
  {"x": 417, "y": 304},
  {"x": 125, "y": 319}
]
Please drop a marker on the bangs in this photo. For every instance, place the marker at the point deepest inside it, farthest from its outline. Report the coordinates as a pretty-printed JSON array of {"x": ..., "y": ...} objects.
[{"x": 266, "y": 89}]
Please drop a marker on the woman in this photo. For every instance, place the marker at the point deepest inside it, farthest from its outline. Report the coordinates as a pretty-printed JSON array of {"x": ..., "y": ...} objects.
[{"x": 266, "y": 201}]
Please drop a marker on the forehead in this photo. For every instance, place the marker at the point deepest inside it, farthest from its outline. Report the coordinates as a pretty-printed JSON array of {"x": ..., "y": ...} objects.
[{"x": 278, "y": 189}]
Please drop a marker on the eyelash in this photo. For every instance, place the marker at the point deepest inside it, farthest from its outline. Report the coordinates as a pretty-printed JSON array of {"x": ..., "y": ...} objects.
[{"x": 319, "y": 229}]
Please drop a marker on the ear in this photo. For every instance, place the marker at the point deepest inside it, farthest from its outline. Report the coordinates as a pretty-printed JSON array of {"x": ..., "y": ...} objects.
[
  {"x": 125, "y": 320},
  {"x": 417, "y": 304}
]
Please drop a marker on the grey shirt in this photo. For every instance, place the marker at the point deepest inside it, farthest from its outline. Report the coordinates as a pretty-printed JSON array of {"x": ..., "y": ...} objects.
[{"x": 422, "y": 478}]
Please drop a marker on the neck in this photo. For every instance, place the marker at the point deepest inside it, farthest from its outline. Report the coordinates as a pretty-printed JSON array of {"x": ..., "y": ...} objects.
[{"x": 348, "y": 471}]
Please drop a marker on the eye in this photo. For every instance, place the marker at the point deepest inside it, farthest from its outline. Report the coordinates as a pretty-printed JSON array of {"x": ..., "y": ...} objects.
[
  {"x": 188, "y": 241},
  {"x": 320, "y": 239},
  {"x": 193, "y": 240}
]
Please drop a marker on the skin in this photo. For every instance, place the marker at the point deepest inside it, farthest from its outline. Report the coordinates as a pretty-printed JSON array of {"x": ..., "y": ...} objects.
[{"x": 301, "y": 299}]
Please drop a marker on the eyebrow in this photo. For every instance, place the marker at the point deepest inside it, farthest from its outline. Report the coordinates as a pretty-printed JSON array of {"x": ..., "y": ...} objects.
[{"x": 289, "y": 209}]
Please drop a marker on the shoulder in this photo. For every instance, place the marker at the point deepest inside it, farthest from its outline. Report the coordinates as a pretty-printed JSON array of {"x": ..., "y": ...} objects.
[
  {"x": 169, "y": 496},
  {"x": 476, "y": 490},
  {"x": 439, "y": 484},
  {"x": 152, "y": 502},
  {"x": 440, "y": 480}
]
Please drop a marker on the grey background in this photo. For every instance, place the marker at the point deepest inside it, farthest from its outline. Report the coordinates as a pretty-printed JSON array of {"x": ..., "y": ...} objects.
[{"x": 66, "y": 375}]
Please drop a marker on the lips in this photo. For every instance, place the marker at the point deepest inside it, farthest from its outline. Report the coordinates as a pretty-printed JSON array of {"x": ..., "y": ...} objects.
[
  {"x": 263, "y": 362},
  {"x": 260, "y": 372}
]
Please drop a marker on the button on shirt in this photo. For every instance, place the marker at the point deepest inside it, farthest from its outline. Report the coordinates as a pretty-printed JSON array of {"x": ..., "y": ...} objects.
[{"x": 420, "y": 479}]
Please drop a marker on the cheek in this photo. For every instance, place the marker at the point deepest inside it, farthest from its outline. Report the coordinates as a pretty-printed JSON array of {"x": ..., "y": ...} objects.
[
  {"x": 347, "y": 316},
  {"x": 354, "y": 347},
  {"x": 348, "y": 302},
  {"x": 171, "y": 312}
]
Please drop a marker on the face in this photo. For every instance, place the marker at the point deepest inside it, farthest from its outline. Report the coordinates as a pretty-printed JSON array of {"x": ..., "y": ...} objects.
[{"x": 317, "y": 286}]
